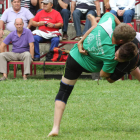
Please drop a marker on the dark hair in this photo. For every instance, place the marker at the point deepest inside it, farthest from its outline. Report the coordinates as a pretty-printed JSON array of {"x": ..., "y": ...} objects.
[
  {"x": 124, "y": 32},
  {"x": 127, "y": 51}
]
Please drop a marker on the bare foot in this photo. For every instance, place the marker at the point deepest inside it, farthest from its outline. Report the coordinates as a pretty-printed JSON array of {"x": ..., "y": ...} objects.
[{"x": 53, "y": 133}]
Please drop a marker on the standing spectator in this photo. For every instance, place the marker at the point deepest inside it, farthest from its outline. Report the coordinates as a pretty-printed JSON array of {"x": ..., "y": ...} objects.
[
  {"x": 30, "y": 5},
  {"x": 21, "y": 39},
  {"x": 123, "y": 9},
  {"x": 63, "y": 6},
  {"x": 80, "y": 10},
  {"x": 9, "y": 16},
  {"x": 48, "y": 21}
]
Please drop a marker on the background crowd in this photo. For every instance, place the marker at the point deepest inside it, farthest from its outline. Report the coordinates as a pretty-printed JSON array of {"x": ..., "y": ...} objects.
[{"x": 44, "y": 18}]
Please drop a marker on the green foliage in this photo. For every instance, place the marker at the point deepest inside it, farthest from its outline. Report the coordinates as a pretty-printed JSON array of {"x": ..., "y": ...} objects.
[{"x": 94, "y": 112}]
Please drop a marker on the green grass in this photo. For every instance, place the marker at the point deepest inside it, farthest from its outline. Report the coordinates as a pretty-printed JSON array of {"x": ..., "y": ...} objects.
[{"x": 93, "y": 112}]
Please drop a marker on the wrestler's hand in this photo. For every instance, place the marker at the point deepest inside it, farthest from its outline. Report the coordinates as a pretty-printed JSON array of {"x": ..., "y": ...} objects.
[
  {"x": 122, "y": 12},
  {"x": 81, "y": 49},
  {"x": 119, "y": 12}
]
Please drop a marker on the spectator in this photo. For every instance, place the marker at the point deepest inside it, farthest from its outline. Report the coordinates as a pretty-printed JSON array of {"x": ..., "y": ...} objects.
[
  {"x": 83, "y": 8},
  {"x": 30, "y": 5},
  {"x": 21, "y": 39},
  {"x": 49, "y": 21},
  {"x": 63, "y": 6},
  {"x": 123, "y": 9},
  {"x": 9, "y": 16}
]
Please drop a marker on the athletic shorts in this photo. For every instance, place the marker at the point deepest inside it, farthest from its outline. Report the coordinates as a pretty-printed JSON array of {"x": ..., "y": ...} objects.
[{"x": 72, "y": 69}]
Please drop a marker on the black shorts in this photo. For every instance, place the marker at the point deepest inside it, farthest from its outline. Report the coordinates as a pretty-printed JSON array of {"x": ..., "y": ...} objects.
[{"x": 72, "y": 69}]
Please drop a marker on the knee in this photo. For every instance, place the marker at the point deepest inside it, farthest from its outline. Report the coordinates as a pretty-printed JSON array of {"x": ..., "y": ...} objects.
[
  {"x": 113, "y": 12},
  {"x": 27, "y": 54},
  {"x": 36, "y": 38},
  {"x": 64, "y": 11},
  {"x": 55, "y": 39},
  {"x": 128, "y": 13},
  {"x": 1, "y": 55},
  {"x": 76, "y": 13},
  {"x": 64, "y": 92},
  {"x": 92, "y": 12}
]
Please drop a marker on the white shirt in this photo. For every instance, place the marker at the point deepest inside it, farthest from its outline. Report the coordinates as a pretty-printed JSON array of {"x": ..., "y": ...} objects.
[
  {"x": 138, "y": 36},
  {"x": 88, "y": 2},
  {"x": 116, "y": 4}
]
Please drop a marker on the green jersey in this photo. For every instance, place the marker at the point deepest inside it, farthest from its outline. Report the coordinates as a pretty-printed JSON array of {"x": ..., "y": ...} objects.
[{"x": 98, "y": 44}]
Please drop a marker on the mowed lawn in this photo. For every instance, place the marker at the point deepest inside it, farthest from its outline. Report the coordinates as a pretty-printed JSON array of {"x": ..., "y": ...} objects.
[{"x": 93, "y": 112}]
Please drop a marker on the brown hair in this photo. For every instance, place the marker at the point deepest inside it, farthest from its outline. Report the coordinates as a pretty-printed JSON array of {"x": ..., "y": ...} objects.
[
  {"x": 127, "y": 51},
  {"x": 124, "y": 32}
]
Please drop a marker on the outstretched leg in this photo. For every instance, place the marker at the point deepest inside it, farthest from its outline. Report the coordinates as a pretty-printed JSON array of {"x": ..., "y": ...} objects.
[
  {"x": 65, "y": 90},
  {"x": 58, "y": 112}
]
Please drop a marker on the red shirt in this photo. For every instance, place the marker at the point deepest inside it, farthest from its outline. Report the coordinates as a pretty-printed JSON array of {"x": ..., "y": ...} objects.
[{"x": 51, "y": 17}]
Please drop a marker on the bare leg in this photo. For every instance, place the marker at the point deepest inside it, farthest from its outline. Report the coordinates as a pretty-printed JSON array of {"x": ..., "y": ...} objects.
[
  {"x": 5, "y": 75},
  {"x": 59, "y": 109}
]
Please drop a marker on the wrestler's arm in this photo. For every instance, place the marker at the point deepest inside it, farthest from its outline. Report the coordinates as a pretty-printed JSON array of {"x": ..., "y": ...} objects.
[
  {"x": 104, "y": 74},
  {"x": 136, "y": 73},
  {"x": 80, "y": 43},
  {"x": 116, "y": 20}
]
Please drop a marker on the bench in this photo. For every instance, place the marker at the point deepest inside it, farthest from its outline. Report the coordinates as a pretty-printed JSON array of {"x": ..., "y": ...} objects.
[{"x": 15, "y": 63}]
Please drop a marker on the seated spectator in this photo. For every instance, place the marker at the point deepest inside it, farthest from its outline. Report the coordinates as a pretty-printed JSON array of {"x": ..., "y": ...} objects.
[
  {"x": 63, "y": 6},
  {"x": 123, "y": 9},
  {"x": 22, "y": 40},
  {"x": 80, "y": 11},
  {"x": 30, "y": 5},
  {"x": 9, "y": 16},
  {"x": 48, "y": 22}
]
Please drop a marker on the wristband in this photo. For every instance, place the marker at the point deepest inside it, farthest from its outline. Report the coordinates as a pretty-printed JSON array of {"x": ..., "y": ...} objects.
[
  {"x": 98, "y": 16},
  {"x": 53, "y": 25}
]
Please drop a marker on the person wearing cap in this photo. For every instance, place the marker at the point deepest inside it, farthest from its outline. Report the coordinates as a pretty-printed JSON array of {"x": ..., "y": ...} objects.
[
  {"x": 123, "y": 9},
  {"x": 9, "y": 16},
  {"x": 48, "y": 22}
]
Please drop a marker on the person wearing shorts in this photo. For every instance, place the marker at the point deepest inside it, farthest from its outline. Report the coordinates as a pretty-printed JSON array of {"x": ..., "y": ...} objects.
[{"x": 95, "y": 52}]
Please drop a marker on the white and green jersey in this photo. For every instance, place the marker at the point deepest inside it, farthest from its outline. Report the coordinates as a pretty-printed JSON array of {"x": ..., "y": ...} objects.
[{"x": 99, "y": 46}]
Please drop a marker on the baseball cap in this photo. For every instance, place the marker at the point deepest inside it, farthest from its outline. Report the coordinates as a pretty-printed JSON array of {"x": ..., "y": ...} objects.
[{"x": 47, "y": 1}]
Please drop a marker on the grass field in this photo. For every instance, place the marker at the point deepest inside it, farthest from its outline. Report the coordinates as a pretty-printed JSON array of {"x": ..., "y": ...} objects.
[{"x": 93, "y": 112}]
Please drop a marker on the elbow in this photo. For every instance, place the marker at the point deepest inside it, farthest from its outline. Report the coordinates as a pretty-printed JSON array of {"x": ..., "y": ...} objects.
[
  {"x": 110, "y": 80},
  {"x": 61, "y": 25}
]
